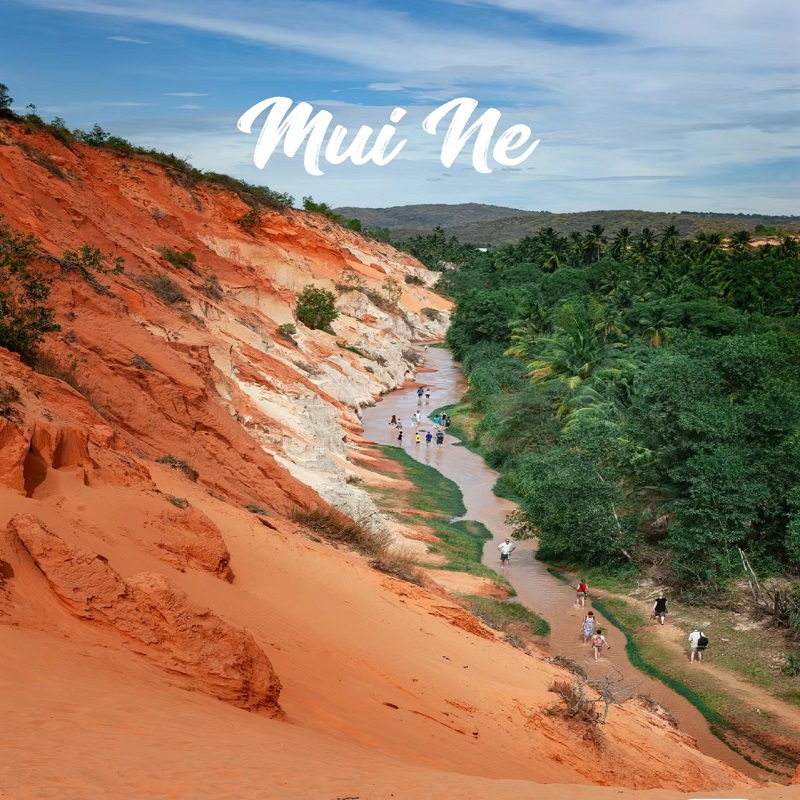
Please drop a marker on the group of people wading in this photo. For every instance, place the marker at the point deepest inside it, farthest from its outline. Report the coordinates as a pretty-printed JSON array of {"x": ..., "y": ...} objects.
[{"x": 441, "y": 421}]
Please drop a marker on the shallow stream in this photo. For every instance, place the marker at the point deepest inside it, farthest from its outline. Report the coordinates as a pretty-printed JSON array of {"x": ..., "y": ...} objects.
[{"x": 535, "y": 586}]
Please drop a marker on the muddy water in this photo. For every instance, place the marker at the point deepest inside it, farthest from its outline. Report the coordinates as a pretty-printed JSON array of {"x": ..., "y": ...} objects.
[{"x": 536, "y": 588}]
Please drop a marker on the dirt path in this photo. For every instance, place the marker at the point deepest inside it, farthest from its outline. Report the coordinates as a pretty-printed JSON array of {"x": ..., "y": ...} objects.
[{"x": 675, "y": 638}]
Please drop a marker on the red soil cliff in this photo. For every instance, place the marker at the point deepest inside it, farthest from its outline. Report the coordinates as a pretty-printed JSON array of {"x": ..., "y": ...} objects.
[{"x": 137, "y": 591}]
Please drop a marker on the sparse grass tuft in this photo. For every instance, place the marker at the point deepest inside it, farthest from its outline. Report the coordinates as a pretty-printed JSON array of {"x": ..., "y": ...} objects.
[
  {"x": 178, "y": 463},
  {"x": 163, "y": 288},
  {"x": 344, "y": 346},
  {"x": 180, "y": 502},
  {"x": 255, "y": 509},
  {"x": 399, "y": 566},
  {"x": 212, "y": 289},
  {"x": 141, "y": 363},
  {"x": 9, "y": 397},
  {"x": 334, "y": 526},
  {"x": 183, "y": 260}
]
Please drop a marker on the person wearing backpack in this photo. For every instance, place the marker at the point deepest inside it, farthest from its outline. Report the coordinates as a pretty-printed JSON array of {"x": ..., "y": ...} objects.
[
  {"x": 698, "y": 642},
  {"x": 598, "y": 640}
]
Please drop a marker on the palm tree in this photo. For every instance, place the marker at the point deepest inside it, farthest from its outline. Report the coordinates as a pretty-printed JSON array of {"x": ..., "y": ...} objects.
[
  {"x": 596, "y": 242},
  {"x": 621, "y": 245},
  {"x": 707, "y": 243},
  {"x": 739, "y": 242},
  {"x": 657, "y": 326},
  {"x": 571, "y": 355},
  {"x": 670, "y": 241},
  {"x": 789, "y": 247}
]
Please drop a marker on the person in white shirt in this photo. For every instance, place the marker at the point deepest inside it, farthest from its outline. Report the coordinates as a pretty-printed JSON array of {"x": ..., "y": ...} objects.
[
  {"x": 695, "y": 648},
  {"x": 505, "y": 548}
]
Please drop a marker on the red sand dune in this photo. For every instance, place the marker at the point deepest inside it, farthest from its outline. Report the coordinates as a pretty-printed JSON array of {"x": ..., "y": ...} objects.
[{"x": 139, "y": 638}]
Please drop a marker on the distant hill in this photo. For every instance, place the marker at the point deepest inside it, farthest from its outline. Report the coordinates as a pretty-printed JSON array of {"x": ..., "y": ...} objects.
[
  {"x": 428, "y": 216},
  {"x": 497, "y": 225}
]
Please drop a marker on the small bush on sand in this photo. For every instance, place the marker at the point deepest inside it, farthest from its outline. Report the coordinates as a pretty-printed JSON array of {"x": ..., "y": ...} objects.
[
  {"x": 254, "y": 509},
  {"x": 178, "y": 463},
  {"x": 184, "y": 260},
  {"x": 9, "y": 397},
  {"x": 140, "y": 362},
  {"x": 400, "y": 566},
  {"x": 180, "y": 502},
  {"x": 163, "y": 288},
  {"x": 212, "y": 289},
  {"x": 316, "y": 307},
  {"x": 334, "y": 526}
]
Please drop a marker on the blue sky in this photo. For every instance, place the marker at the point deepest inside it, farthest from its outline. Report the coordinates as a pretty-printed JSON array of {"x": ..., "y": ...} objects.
[{"x": 663, "y": 105}]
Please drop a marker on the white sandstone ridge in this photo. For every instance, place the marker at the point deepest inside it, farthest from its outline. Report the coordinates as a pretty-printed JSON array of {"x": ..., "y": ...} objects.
[{"x": 300, "y": 396}]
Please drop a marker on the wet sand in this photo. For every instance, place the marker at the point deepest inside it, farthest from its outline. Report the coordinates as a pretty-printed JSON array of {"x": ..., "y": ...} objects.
[{"x": 536, "y": 588}]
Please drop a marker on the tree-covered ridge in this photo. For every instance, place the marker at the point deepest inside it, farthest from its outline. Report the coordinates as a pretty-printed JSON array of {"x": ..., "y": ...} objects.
[
  {"x": 640, "y": 395},
  {"x": 486, "y": 225}
]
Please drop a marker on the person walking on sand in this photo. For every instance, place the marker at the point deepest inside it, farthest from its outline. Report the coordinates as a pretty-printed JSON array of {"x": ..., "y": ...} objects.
[
  {"x": 427, "y": 394},
  {"x": 439, "y": 438},
  {"x": 400, "y": 437},
  {"x": 583, "y": 591},
  {"x": 393, "y": 421},
  {"x": 417, "y": 439},
  {"x": 420, "y": 392},
  {"x": 428, "y": 438},
  {"x": 598, "y": 641},
  {"x": 587, "y": 631},
  {"x": 660, "y": 609},
  {"x": 417, "y": 416},
  {"x": 698, "y": 642},
  {"x": 506, "y": 548}
]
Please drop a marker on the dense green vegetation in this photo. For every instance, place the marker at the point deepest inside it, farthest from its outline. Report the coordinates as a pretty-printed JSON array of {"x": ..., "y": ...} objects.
[
  {"x": 640, "y": 395},
  {"x": 25, "y": 317}
]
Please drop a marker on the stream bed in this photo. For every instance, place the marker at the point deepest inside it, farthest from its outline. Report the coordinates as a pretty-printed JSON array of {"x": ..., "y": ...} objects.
[{"x": 535, "y": 586}]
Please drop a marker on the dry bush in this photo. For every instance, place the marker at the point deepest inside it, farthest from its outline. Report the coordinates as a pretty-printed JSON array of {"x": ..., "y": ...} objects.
[
  {"x": 178, "y": 463},
  {"x": 399, "y": 565},
  {"x": 212, "y": 288},
  {"x": 9, "y": 397},
  {"x": 163, "y": 288},
  {"x": 588, "y": 699},
  {"x": 336, "y": 527}
]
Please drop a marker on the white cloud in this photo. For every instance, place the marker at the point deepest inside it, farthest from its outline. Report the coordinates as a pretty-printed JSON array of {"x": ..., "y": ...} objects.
[
  {"x": 189, "y": 105},
  {"x": 386, "y": 87},
  {"x": 127, "y": 39},
  {"x": 668, "y": 88}
]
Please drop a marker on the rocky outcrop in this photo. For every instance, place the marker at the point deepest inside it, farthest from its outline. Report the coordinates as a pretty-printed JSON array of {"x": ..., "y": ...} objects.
[
  {"x": 197, "y": 648},
  {"x": 185, "y": 537}
]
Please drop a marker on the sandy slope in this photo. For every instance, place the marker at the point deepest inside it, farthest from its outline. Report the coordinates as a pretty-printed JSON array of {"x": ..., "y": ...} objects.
[{"x": 135, "y": 632}]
